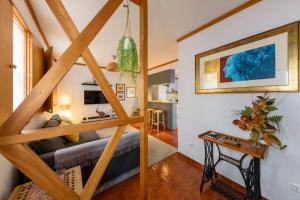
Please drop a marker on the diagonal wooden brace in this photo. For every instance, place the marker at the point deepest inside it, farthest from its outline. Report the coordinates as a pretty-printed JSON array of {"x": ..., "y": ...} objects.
[
  {"x": 30, "y": 164},
  {"x": 101, "y": 165},
  {"x": 72, "y": 32},
  {"x": 16, "y": 122}
]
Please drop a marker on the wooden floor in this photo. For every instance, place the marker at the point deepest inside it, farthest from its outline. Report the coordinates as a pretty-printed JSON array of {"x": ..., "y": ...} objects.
[
  {"x": 174, "y": 178},
  {"x": 168, "y": 136}
]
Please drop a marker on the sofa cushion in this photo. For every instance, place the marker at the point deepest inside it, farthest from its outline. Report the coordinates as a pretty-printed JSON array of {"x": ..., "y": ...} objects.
[
  {"x": 53, "y": 122},
  {"x": 84, "y": 138},
  {"x": 47, "y": 145},
  {"x": 51, "y": 144}
]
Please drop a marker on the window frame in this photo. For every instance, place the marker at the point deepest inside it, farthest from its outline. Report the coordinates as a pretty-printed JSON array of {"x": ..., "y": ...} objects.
[{"x": 17, "y": 17}]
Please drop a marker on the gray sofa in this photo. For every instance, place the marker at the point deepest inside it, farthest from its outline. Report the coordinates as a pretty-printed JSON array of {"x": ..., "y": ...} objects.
[{"x": 58, "y": 154}]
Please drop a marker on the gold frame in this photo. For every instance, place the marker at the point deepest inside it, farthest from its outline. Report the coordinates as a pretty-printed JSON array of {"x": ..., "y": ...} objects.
[{"x": 293, "y": 58}]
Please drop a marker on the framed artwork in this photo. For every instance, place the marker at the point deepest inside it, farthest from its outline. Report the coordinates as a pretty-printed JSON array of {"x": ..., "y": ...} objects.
[
  {"x": 130, "y": 92},
  {"x": 121, "y": 96},
  {"x": 120, "y": 87},
  {"x": 264, "y": 62}
]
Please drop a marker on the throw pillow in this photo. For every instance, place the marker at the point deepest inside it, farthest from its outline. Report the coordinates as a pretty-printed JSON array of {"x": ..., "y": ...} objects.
[
  {"x": 74, "y": 137},
  {"x": 53, "y": 122}
]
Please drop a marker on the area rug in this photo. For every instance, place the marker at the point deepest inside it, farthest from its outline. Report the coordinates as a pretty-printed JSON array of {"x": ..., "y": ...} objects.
[{"x": 158, "y": 150}]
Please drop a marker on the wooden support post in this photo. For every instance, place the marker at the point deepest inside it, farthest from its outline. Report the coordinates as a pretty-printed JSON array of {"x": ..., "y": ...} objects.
[{"x": 144, "y": 99}]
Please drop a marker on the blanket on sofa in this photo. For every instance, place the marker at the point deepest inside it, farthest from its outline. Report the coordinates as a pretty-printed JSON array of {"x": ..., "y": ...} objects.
[{"x": 88, "y": 154}]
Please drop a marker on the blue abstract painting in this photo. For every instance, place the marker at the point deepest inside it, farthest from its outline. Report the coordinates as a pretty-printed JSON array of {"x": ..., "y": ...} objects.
[{"x": 253, "y": 64}]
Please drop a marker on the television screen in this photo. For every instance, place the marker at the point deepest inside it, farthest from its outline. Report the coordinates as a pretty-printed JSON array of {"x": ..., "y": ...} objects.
[{"x": 94, "y": 97}]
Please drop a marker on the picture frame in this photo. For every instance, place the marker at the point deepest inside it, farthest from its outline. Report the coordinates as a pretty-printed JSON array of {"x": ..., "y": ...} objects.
[
  {"x": 120, "y": 87},
  {"x": 120, "y": 96},
  {"x": 130, "y": 92},
  {"x": 264, "y": 62}
]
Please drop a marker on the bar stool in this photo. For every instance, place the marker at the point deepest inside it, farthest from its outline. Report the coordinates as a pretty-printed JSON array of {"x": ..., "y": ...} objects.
[
  {"x": 150, "y": 113},
  {"x": 156, "y": 114}
]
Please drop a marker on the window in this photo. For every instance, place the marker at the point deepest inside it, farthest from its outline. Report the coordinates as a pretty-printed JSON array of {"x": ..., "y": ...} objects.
[{"x": 21, "y": 72}]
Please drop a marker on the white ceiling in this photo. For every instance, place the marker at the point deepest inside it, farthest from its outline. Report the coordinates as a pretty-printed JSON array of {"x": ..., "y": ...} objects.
[{"x": 168, "y": 20}]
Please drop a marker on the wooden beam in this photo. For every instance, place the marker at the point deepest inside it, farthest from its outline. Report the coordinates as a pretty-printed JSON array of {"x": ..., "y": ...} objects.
[
  {"x": 20, "y": 19},
  {"x": 144, "y": 100},
  {"x": 101, "y": 165},
  {"x": 16, "y": 122},
  {"x": 44, "y": 133},
  {"x": 33, "y": 15},
  {"x": 137, "y": 2},
  {"x": 161, "y": 65},
  {"x": 76, "y": 63},
  {"x": 24, "y": 158},
  {"x": 31, "y": 11},
  {"x": 220, "y": 18},
  {"x": 69, "y": 27}
]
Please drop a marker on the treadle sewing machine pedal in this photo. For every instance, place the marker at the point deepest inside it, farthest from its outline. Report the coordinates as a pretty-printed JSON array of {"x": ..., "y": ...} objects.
[{"x": 250, "y": 174}]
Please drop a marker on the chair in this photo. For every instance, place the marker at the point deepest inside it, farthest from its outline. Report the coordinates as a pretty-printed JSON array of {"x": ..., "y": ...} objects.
[
  {"x": 150, "y": 111},
  {"x": 159, "y": 120}
]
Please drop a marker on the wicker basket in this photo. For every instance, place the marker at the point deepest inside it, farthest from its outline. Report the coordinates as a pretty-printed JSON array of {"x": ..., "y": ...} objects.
[{"x": 72, "y": 177}]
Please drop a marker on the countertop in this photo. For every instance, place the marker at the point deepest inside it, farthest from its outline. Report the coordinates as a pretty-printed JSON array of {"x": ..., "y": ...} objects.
[{"x": 160, "y": 101}]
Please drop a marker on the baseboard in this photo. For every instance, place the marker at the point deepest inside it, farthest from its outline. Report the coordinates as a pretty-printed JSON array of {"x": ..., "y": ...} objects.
[{"x": 220, "y": 176}]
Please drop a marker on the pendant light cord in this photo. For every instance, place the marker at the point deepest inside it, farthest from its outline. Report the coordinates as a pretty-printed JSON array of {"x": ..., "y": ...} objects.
[{"x": 127, "y": 32}]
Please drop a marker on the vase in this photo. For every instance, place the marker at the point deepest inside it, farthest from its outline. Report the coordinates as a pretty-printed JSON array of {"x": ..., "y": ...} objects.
[{"x": 255, "y": 140}]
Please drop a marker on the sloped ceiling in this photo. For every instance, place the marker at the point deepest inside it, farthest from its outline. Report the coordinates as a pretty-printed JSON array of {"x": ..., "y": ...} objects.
[{"x": 168, "y": 20}]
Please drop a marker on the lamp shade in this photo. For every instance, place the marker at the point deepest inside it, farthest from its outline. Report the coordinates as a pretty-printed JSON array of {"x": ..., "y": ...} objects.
[
  {"x": 64, "y": 102},
  {"x": 112, "y": 67}
]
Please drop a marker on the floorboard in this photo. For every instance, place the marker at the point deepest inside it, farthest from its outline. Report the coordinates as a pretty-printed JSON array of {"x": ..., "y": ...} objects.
[{"x": 174, "y": 178}]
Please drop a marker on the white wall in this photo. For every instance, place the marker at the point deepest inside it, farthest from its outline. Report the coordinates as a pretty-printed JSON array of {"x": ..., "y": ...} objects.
[
  {"x": 199, "y": 113},
  {"x": 8, "y": 177},
  {"x": 22, "y": 8},
  {"x": 165, "y": 67},
  {"x": 71, "y": 85}
]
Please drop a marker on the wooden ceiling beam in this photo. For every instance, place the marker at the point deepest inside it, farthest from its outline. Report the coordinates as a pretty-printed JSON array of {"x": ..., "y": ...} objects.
[
  {"x": 137, "y": 2},
  {"x": 219, "y": 19},
  {"x": 163, "y": 64},
  {"x": 37, "y": 24}
]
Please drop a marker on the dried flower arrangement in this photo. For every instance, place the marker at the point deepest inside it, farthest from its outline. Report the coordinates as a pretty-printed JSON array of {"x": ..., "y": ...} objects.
[{"x": 260, "y": 122}]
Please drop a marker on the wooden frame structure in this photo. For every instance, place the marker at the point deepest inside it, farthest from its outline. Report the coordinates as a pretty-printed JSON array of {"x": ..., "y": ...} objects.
[{"x": 12, "y": 142}]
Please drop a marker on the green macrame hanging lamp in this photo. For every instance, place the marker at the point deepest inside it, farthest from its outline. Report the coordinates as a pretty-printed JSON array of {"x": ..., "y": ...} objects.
[{"x": 127, "y": 53}]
